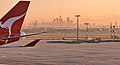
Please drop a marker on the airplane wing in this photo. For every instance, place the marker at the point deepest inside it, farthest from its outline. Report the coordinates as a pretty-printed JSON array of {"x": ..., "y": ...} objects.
[{"x": 7, "y": 38}]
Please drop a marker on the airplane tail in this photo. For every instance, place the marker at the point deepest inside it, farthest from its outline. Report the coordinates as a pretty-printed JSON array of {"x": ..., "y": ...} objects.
[
  {"x": 11, "y": 23},
  {"x": 33, "y": 43}
]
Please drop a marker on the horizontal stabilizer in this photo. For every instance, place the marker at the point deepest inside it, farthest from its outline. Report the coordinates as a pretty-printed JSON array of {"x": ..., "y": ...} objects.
[{"x": 7, "y": 38}]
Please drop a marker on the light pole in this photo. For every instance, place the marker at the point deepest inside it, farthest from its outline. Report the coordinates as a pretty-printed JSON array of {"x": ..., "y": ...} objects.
[
  {"x": 86, "y": 30},
  {"x": 77, "y": 16},
  {"x": 114, "y": 32}
]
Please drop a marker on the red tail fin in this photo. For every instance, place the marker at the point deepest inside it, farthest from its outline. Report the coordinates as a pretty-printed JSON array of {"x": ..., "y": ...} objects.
[
  {"x": 32, "y": 43},
  {"x": 10, "y": 24}
]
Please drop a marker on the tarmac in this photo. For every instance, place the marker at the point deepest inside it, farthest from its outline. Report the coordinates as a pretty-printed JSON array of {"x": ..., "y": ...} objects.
[{"x": 61, "y": 54}]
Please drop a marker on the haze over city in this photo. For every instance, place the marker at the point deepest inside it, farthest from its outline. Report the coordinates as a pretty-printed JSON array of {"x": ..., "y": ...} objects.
[
  {"x": 91, "y": 11},
  {"x": 60, "y": 32}
]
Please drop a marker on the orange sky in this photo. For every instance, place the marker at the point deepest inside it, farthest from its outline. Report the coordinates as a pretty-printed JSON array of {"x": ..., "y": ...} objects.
[{"x": 92, "y": 11}]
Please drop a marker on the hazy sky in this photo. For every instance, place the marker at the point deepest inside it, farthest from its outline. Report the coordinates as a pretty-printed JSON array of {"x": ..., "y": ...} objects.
[{"x": 92, "y": 11}]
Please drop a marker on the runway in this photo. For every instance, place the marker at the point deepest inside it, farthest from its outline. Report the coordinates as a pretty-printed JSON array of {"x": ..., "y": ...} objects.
[{"x": 61, "y": 54}]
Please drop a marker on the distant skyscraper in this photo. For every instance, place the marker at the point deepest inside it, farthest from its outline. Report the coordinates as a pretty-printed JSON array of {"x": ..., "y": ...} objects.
[
  {"x": 60, "y": 19},
  {"x": 35, "y": 23},
  {"x": 57, "y": 22},
  {"x": 69, "y": 23},
  {"x": 61, "y": 22},
  {"x": 116, "y": 24}
]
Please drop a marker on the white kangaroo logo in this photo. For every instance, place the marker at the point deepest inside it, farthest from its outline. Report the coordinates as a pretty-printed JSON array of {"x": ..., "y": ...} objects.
[{"x": 8, "y": 24}]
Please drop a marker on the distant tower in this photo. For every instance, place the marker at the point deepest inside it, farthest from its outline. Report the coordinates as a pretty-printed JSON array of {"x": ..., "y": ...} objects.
[
  {"x": 61, "y": 22},
  {"x": 67, "y": 22},
  {"x": 111, "y": 28},
  {"x": 35, "y": 23},
  {"x": 57, "y": 20},
  {"x": 54, "y": 20},
  {"x": 53, "y": 23},
  {"x": 60, "y": 19},
  {"x": 71, "y": 21},
  {"x": 116, "y": 25},
  {"x": 68, "y": 19}
]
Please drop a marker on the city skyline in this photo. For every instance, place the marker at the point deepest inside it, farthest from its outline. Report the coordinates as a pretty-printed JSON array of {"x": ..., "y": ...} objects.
[
  {"x": 91, "y": 11},
  {"x": 60, "y": 22}
]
